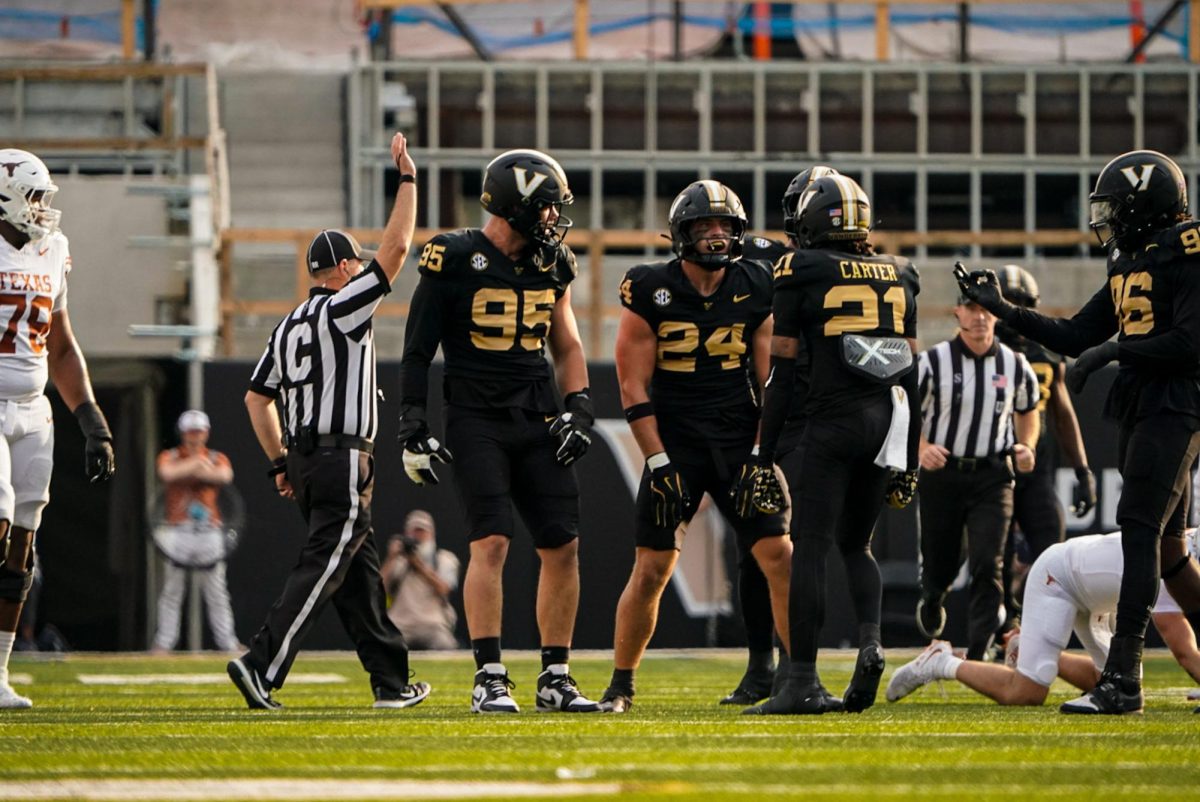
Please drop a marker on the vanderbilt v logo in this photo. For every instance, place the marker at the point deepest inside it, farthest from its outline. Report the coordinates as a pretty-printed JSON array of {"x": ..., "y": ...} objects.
[
  {"x": 524, "y": 185},
  {"x": 1141, "y": 180}
]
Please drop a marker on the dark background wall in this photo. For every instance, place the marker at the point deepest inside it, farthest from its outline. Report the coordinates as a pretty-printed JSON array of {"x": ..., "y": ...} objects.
[{"x": 94, "y": 557}]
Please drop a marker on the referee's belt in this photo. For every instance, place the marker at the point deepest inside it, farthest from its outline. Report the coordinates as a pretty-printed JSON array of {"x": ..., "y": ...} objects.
[
  {"x": 302, "y": 442},
  {"x": 972, "y": 464}
]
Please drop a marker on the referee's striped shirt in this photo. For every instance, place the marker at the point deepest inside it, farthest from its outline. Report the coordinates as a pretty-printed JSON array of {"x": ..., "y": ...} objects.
[
  {"x": 321, "y": 359},
  {"x": 967, "y": 401}
]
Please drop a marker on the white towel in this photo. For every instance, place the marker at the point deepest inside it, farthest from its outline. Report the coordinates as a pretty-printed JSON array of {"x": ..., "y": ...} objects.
[{"x": 894, "y": 451}]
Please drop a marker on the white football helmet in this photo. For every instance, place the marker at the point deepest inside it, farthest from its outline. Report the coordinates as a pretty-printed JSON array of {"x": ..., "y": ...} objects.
[{"x": 25, "y": 194}]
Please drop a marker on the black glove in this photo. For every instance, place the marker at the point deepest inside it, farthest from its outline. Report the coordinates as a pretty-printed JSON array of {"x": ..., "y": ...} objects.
[
  {"x": 1084, "y": 496},
  {"x": 668, "y": 494},
  {"x": 901, "y": 489},
  {"x": 421, "y": 449},
  {"x": 1088, "y": 363},
  {"x": 758, "y": 489},
  {"x": 98, "y": 460},
  {"x": 983, "y": 288},
  {"x": 574, "y": 427}
]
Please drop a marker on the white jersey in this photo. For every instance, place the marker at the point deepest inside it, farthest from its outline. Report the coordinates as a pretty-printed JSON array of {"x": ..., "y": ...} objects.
[
  {"x": 33, "y": 286},
  {"x": 1089, "y": 569}
]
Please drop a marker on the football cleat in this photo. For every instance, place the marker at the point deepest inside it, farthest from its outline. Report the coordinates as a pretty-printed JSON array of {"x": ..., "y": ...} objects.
[
  {"x": 791, "y": 701},
  {"x": 11, "y": 700},
  {"x": 254, "y": 688},
  {"x": 860, "y": 693},
  {"x": 754, "y": 687},
  {"x": 918, "y": 672},
  {"x": 557, "y": 693},
  {"x": 931, "y": 617},
  {"x": 490, "y": 694},
  {"x": 1115, "y": 695},
  {"x": 408, "y": 696},
  {"x": 616, "y": 701}
]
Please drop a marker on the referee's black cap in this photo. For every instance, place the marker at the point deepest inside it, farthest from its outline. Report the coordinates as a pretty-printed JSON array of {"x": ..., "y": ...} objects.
[{"x": 330, "y": 247}]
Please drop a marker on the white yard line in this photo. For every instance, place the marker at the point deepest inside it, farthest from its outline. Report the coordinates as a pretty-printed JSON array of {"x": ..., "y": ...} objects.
[
  {"x": 293, "y": 790},
  {"x": 210, "y": 678}
]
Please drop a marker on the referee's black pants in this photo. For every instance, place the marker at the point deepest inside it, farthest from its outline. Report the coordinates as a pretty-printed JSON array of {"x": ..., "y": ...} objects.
[
  {"x": 1155, "y": 455},
  {"x": 972, "y": 510},
  {"x": 339, "y": 563}
]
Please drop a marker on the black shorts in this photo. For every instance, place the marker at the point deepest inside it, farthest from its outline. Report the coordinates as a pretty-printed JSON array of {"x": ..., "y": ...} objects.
[
  {"x": 705, "y": 471},
  {"x": 503, "y": 459}
]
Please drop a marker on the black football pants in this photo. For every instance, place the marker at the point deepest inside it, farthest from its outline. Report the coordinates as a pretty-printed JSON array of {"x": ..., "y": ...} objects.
[
  {"x": 976, "y": 507},
  {"x": 338, "y": 563},
  {"x": 1155, "y": 455}
]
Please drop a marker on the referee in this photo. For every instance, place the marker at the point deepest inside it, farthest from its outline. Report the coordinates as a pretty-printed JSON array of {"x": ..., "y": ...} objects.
[
  {"x": 320, "y": 361},
  {"x": 979, "y": 408}
]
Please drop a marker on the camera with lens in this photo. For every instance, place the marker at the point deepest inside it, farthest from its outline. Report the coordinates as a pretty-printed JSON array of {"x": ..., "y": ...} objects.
[{"x": 408, "y": 545}]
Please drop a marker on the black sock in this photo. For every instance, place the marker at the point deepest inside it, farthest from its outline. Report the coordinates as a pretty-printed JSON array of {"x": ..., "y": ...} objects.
[
  {"x": 761, "y": 662},
  {"x": 755, "y": 597},
  {"x": 1125, "y": 657},
  {"x": 802, "y": 675},
  {"x": 555, "y": 655},
  {"x": 487, "y": 650},
  {"x": 622, "y": 680},
  {"x": 868, "y": 635}
]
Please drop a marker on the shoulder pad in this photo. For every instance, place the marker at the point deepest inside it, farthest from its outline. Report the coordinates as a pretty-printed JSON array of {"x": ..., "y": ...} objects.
[
  {"x": 1181, "y": 240},
  {"x": 640, "y": 283},
  {"x": 447, "y": 254},
  {"x": 566, "y": 265},
  {"x": 763, "y": 248}
]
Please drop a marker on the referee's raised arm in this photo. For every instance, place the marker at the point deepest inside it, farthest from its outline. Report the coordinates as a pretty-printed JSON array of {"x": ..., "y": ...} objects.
[{"x": 397, "y": 236}]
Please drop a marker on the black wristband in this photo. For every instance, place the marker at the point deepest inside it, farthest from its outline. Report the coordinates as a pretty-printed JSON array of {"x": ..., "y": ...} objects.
[
  {"x": 407, "y": 178},
  {"x": 92, "y": 422},
  {"x": 278, "y": 466},
  {"x": 638, "y": 411}
]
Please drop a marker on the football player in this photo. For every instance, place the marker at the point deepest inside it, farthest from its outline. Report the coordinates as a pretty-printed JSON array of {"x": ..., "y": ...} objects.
[
  {"x": 1073, "y": 587},
  {"x": 760, "y": 680},
  {"x": 1151, "y": 300},
  {"x": 493, "y": 298},
  {"x": 692, "y": 349},
  {"x": 37, "y": 343},
  {"x": 1036, "y": 509},
  {"x": 856, "y": 312}
]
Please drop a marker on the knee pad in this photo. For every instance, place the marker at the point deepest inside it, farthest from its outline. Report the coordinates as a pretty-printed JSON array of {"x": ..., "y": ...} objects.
[{"x": 15, "y": 585}]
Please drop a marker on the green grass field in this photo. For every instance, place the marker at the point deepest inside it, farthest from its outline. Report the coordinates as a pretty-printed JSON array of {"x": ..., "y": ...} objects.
[{"x": 198, "y": 741}]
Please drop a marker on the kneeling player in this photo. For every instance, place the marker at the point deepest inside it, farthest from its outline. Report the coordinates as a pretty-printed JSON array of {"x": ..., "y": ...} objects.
[{"x": 1072, "y": 586}]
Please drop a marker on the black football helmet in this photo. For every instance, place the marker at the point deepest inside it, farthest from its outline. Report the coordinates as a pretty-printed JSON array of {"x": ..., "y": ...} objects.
[
  {"x": 1136, "y": 194},
  {"x": 518, "y": 185},
  {"x": 1018, "y": 286},
  {"x": 791, "y": 196},
  {"x": 706, "y": 198},
  {"x": 833, "y": 208}
]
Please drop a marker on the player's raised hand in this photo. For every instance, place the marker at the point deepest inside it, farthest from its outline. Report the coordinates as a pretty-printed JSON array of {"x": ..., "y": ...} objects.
[
  {"x": 400, "y": 155},
  {"x": 983, "y": 287}
]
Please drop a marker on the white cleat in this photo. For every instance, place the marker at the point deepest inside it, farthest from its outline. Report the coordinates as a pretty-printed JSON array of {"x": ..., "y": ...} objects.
[
  {"x": 491, "y": 691},
  {"x": 919, "y": 672},
  {"x": 558, "y": 693},
  {"x": 11, "y": 700}
]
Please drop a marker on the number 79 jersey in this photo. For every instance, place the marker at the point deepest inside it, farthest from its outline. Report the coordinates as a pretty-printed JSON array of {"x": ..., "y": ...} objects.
[
  {"x": 827, "y": 296},
  {"x": 33, "y": 286}
]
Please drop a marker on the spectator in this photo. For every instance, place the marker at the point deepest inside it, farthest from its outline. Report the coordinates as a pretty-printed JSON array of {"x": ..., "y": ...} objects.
[{"x": 419, "y": 578}]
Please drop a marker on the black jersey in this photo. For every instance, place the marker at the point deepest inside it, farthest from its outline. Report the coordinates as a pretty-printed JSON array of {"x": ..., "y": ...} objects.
[
  {"x": 1045, "y": 365},
  {"x": 491, "y": 316},
  {"x": 703, "y": 388},
  {"x": 1152, "y": 302},
  {"x": 771, "y": 251},
  {"x": 821, "y": 295}
]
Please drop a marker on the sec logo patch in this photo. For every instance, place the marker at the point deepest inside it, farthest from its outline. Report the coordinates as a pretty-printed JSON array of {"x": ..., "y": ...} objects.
[
  {"x": 479, "y": 262},
  {"x": 662, "y": 296}
]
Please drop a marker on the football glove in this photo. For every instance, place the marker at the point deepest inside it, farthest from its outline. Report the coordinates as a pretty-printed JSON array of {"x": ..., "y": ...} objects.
[
  {"x": 573, "y": 428},
  {"x": 757, "y": 489},
  {"x": 1088, "y": 363},
  {"x": 901, "y": 489},
  {"x": 421, "y": 449},
  {"x": 1084, "y": 496},
  {"x": 668, "y": 494},
  {"x": 983, "y": 288},
  {"x": 98, "y": 460}
]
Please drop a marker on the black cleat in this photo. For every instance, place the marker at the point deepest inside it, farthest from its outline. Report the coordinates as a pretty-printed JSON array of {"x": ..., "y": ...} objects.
[
  {"x": 1115, "y": 695},
  {"x": 616, "y": 700},
  {"x": 833, "y": 704},
  {"x": 860, "y": 693},
  {"x": 254, "y": 688},
  {"x": 754, "y": 687},
  {"x": 806, "y": 701}
]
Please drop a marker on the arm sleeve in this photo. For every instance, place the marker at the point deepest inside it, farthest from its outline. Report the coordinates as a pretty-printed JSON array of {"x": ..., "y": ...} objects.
[
  {"x": 353, "y": 305},
  {"x": 777, "y": 400},
  {"x": 266, "y": 377},
  {"x": 1091, "y": 325},
  {"x": 1028, "y": 390},
  {"x": 786, "y": 308},
  {"x": 1176, "y": 348},
  {"x": 422, "y": 334}
]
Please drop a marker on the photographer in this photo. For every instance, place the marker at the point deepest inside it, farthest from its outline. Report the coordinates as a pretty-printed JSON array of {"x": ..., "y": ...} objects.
[{"x": 419, "y": 578}]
